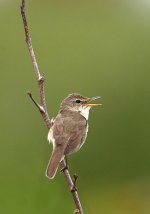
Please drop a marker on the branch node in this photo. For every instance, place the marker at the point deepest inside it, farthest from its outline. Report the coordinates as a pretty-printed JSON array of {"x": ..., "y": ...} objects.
[
  {"x": 42, "y": 110},
  {"x": 76, "y": 211},
  {"x": 41, "y": 79}
]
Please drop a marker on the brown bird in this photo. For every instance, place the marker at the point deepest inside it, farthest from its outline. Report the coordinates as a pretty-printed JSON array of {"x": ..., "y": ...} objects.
[{"x": 69, "y": 129}]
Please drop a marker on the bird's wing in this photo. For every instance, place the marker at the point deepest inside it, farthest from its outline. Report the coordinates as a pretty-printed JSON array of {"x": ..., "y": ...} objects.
[
  {"x": 76, "y": 139},
  {"x": 66, "y": 129},
  {"x": 67, "y": 135}
]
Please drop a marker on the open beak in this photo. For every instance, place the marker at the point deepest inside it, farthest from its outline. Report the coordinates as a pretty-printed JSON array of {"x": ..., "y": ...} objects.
[{"x": 93, "y": 104}]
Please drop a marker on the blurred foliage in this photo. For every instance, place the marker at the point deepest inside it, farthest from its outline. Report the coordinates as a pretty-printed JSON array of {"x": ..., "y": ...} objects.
[{"x": 90, "y": 47}]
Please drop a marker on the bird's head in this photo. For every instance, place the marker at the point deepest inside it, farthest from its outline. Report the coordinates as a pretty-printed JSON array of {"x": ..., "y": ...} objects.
[{"x": 78, "y": 103}]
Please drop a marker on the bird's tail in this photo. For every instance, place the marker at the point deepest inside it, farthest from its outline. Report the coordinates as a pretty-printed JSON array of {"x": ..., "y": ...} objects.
[{"x": 53, "y": 163}]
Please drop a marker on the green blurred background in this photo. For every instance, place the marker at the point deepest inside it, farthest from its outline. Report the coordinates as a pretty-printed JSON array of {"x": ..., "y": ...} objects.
[{"x": 94, "y": 48}]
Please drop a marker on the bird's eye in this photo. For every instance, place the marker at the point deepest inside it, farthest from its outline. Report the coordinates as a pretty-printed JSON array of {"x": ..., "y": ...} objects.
[{"x": 78, "y": 101}]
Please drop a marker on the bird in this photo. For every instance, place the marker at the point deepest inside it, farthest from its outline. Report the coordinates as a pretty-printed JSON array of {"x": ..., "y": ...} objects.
[{"x": 69, "y": 129}]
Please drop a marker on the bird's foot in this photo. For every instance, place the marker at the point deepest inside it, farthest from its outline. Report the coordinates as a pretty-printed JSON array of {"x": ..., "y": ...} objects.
[
  {"x": 64, "y": 168},
  {"x": 74, "y": 187},
  {"x": 65, "y": 165}
]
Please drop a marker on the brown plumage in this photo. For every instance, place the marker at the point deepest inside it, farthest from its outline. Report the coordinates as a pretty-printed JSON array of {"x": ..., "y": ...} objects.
[{"x": 69, "y": 130}]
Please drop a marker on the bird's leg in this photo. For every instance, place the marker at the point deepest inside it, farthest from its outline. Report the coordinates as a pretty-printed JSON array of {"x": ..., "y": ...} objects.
[
  {"x": 66, "y": 159},
  {"x": 74, "y": 187},
  {"x": 65, "y": 167}
]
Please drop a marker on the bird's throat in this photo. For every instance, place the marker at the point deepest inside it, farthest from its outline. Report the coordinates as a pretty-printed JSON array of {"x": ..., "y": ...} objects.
[{"x": 84, "y": 111}]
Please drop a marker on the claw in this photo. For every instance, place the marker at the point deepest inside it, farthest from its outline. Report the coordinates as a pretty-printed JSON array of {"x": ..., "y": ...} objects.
[
  {"x": 64, "y": 168},
  {"x": 74, "y": 188}
]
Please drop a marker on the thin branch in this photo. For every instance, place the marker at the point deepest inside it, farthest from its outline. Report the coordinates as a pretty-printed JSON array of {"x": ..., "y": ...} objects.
[
  {"x": 72, "y": 187},
  {"x": 39, "y": 77},
  {"x": 43, "y": 109},
  {"x": 40, "y": 108}
]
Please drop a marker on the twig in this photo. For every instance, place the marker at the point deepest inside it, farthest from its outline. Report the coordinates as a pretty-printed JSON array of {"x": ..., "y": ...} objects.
[
  {"x": 72, "y": 187},
  {"x": 43, "y": 109},
  {"x": 39, "y": 77}
]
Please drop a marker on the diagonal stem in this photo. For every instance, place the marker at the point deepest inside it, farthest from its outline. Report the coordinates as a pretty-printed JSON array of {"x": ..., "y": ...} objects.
[
  {"x": 42, "y": 107},
  {"x": 39, "y": 77},
  {"x": 71, "y": 187}
]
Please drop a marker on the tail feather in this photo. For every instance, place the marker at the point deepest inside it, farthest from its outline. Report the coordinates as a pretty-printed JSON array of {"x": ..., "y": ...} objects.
[{"x": 53, "y": 163}]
